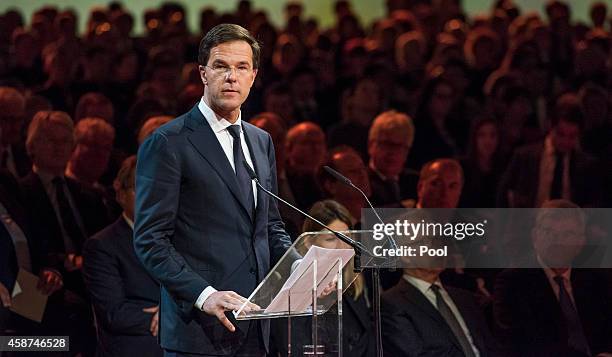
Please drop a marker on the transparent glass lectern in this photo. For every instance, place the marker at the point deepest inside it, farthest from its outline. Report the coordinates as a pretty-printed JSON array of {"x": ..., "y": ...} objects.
[{"x": 304, "y": 291}]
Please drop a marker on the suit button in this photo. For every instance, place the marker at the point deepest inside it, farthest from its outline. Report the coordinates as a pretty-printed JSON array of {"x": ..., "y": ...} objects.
[{"x": 252, "y": 271}]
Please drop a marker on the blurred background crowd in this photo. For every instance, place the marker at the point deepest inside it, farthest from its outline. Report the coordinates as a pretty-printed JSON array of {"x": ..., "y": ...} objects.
[{"x": 425, "y": 108}]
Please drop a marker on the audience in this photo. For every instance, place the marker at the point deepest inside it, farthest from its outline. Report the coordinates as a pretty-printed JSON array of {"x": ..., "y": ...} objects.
[{"x": 502, "y": 109}]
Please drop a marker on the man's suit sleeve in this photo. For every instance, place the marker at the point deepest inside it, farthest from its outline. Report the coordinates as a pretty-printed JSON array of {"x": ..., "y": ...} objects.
[
  {"x": 278, "y": 238},
  {"x": 158, "y": 182},
  {"x": 106, "y": 288}
]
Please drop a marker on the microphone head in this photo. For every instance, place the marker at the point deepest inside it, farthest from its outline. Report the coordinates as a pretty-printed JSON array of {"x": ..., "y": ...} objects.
[
  {"x": 338, "y": 175},
  {"x": 249, "y": 170}
]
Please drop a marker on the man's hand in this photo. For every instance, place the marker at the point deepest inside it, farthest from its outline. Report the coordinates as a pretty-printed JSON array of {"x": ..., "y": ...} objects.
[
  {"x": 49, "y": 281},
  {"x": 73, "y": 262},
  {"x": 5, "y": 296},
  {"x": 155, "y": 320},
  {"x": 221, "y": 301}
]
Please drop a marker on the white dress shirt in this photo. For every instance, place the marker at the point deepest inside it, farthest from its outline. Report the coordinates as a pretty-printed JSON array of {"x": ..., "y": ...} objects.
[
  {"x": 20, "y": 242},
  {"x": 548, "y": 162},
  {"x": 425, "y": 288},
  {"x": 219, "y": 126}
]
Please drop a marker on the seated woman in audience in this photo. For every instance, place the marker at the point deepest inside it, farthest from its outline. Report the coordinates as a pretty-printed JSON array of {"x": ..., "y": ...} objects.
[{"x": 482, "y": 166}]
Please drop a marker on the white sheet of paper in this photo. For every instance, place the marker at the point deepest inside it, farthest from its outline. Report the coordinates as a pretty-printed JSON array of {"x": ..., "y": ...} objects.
[{"x": 300, "y": 281}]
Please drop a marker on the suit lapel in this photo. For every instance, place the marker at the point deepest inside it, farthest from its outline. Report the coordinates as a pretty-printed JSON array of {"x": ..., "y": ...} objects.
[
  {"x": 205, "y": 142},
  {"x": 419, "y": 300}
]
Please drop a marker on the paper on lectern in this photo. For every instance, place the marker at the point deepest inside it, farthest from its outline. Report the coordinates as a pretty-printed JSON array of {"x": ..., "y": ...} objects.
[{"x": 300, "y": 282}]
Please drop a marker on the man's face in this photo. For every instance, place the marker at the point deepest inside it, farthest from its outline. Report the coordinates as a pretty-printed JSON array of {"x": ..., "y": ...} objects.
[
  {"x": 92, "y": 154},
  {"x": 559, "y": 241},
  {"x": 307, "y": 151},
  {"x": 350, "y": 165},
  {"x": 441, "y": 189},
  {"x": 389, "y": 152},
  {"x": 53, "y": 148},
  {"x": 565, "y": 136},
  {"x": 228, "y": 76}
]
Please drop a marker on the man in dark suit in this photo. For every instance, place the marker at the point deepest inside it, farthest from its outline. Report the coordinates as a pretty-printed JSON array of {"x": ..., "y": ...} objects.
[
  {"x": 555, "y": 168},
  {"x": 124, "y": 296},
  {"x": 389, "y": 141},
  {"x": 63, "y": 215},
  {"x": 421, "y": 317},
  {"x": 18, "y": 250},
  {"x": 555, "y": 310},
  {"x": 201, "y": 227},
  {"x": 13, "y": 157}
]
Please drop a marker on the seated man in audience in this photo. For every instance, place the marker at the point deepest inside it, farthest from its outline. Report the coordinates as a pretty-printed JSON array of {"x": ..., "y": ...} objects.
[
  {"x": 555, "y": 168},
  {"x": 124, "y": 296},
  {"x": 555, "y": 310},
  {"x": 13, "y": 156},
  {"x": 64, "y": 214},
  {"x": 19, "y": 251},
  {"x": 389, "y": 141},
  {"x": 423, "y": 317},
  {"x": 346, "y": 161},
  {"x": 305, "y": 153},
  {"x": 90, "y": 159}
]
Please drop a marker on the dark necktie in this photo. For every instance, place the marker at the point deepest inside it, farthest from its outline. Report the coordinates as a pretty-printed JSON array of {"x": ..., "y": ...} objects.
[
  {"x": 69, "y": 221},
  {"x": 452, "y": 322},
  {"x": 556, "y": 187},
  {"x": 244, "y": 179},
  {"x": 576, "y": 338}
]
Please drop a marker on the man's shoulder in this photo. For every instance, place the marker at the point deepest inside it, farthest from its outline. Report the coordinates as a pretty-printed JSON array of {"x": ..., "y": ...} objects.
[{"x": 260, "y": 133}]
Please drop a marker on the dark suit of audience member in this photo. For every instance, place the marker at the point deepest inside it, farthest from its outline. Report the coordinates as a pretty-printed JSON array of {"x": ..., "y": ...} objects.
[
  {"x": 555, "y": 309},
  {"x": 530, "y": 316},
  {"x": 89, "y": 210},
  {"x": 413, "y": 326},
  {"x": 390, "y": 193},
  {"x": 120, "y": 288}
]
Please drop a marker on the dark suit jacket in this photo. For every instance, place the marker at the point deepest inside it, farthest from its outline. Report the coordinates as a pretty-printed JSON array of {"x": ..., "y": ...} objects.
[
  {"x": 412, "y": 326},
  {"x": 120, "y": 288},
  {"x": 530, "y": 318},
  {"x": 193, "y": 230},
  {"x": 46, "y": 228},
  {"x": 382, "y": 193},
  {"x": 523, "y": 175}
]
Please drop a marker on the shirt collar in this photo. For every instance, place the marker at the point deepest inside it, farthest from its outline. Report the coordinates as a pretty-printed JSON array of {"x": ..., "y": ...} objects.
[
  {"x": 422, "y": 285},
  {"x": 216, "y": 122},
  {"x": 43, "y": 175},
  {"x": 551, "y": 274}
]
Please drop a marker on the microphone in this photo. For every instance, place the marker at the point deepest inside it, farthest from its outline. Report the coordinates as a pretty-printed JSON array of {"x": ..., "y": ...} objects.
[
  {"x": 358, "y": 246},
  {"x": 345, "y": 180}
]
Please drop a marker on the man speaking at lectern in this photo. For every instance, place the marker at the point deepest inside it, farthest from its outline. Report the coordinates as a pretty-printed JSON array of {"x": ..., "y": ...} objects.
[{"x": 201, "y": 228}]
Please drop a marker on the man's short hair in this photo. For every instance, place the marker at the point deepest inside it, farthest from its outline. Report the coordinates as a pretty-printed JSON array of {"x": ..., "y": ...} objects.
[
  {"x": 126, "y": 177},
  {"x": 225, "y": 33},
  {"x": 391, "y": 121},
  {"x": 10, "y": 96},
  {"x": 445, "y": 163},
  {"x": 42, "y": 121},
  {"x": 551, "y": 210},
  {"x": 93, "y": 127}
]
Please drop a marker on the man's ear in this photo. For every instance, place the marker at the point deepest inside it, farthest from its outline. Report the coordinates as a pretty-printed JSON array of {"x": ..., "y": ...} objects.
[
  {"x": 202, "y": 71},
  {"x": 255, "y": 70}
]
